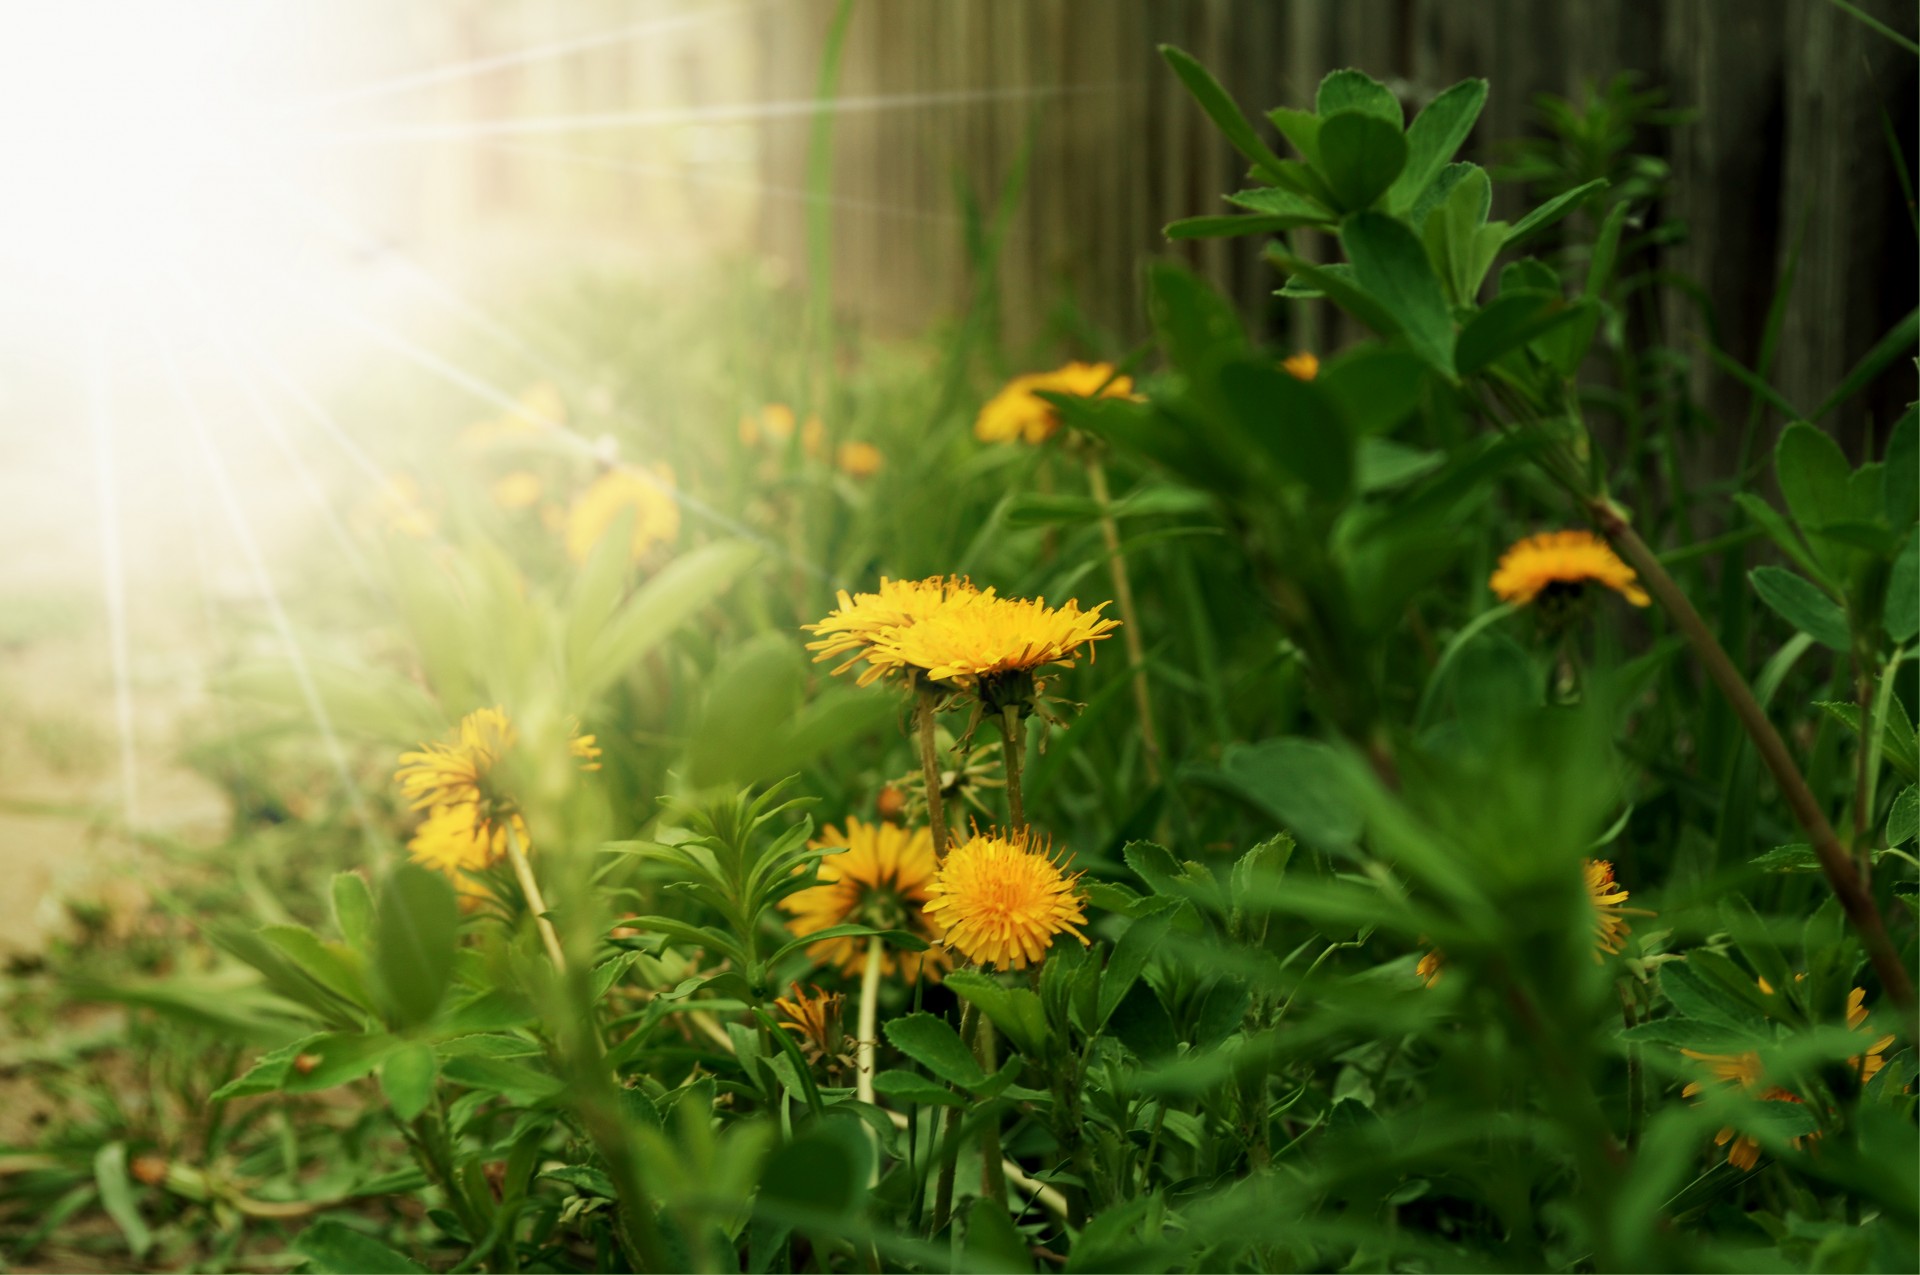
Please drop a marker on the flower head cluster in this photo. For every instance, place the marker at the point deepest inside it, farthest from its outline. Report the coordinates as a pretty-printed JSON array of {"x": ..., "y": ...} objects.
[
  {"x": 854, "y": 627},
  {"x": 986, "y": 637},
  {"x": 1001, "y": 899},
  {"x": 648, "y": 493},
  {"x": 1559, "y": 565},
  {"x": 817, "y": 1020},
  {"x": 469, "y": 818},
  {"x": 1018, "y": 411},
  {"x": 1610, "y": 914},
  {"x": 881, "y": 880}
]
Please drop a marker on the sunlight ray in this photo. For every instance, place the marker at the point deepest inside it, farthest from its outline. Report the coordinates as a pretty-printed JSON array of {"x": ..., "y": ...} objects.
[
  {"x": 113, "y": 578},
  {"x": 249, "y": 547},
  {"x": 666, "y": 116},
  {"x": 411, "y": 81}
]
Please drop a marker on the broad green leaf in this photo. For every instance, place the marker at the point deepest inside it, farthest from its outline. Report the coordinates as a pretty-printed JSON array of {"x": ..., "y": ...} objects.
[
  {"x": 1351, "y": 90},
  {"x": 334, "y": 1248},
  {"x": 415, "y": 926},
  {"x": 1275, "y": 202},
  {"x": 1220, "y": 108},
  {"x": 1815, "y": 478},
  {"x": 1015, "y": 1011},
  {"x": 329, "y": 964},
  {"x": 929, "y": 1041},
  {"x": 1295, "y": 423},
  {"x": 1129, "y": 958},
  {"x": 1198, "y": 328},
  {"x": 1804, "y": 606},
  {"x": 1302, "y": 128},
  {"x": 1903, "y": 820},
  {"x": 1438, "y": 191},
  {"x": 1301, "y": 783},
  {"x": 336, "y": 1059},
  {"x": 1433, "y": 137},
  {"x": 659, "y": 607},
  {"x": 268, "y": 1074},
  {"x": 992, "y": 1242},
  {"x": 1606, "y": 251},
  {"x": 406, "y": 1078},
  {"x": 520, "y": 1084},
  {"x": 116, "y": 1196},
  {"x": 1392, "y": 266},
  {"x": 1902, "y": 614},
  {"x": 1229, "y": 227},
  {"x": 1507, "y": 323},
  {"x": 911, "y": 1086},
  {"x": 1704, "y": 1001},
  {"x": 1375, "y": 386},
  {"x": 1452, "y": 236},
  {"x": 1798, "y": 857},
  {"x": 353, "y": 910},
  {"x": 1901, "y": 500},
  {"x": 1749, "y": 932},
  {"x": 1551, "y": 211},
  {"x": 823, "y": 1170},
  {"x": 1360, "y": 155},
  {"x": 1340, "y": 285},
  {"x": 1768, "y": 519},
  {"x": 1897, "y": 743},
  {"x": 1142, "y": 1024},
  {"x": 1382, "y": 464}
]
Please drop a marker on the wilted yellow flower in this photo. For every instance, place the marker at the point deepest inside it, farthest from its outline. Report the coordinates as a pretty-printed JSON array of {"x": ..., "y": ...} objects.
[
  {"x": 1001, "y": 900},
  {"x": 1430, "y": 966},
  {"x": 773, "y": 423},
  {"x": 1017, "y": 411},
  {"x": 540, "y": 407},
  {"x": 649, "y": 493},
  {"x": 817, "y": 1020},
  {"x": 860, "y": 460},
  {"x": 1742, "y": 1069},
  {"x": 881, "y": 880},
  {"x": 1303, "y": 366},
  {"x": 985, "y": 637},
  {"x": 856, "y": 624},
  {"x": 469, "y": 816},
  {"x": 1562, "y": 564},
  {"x": 517, "y": 490}
]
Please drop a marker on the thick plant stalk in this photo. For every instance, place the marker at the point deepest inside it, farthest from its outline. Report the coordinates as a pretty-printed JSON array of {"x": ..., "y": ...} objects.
[
  {"x": 1854, "y": 897},
  {"x": 864, "y": 1046},
  {"x": 930, "y": 767},
  {"x": 523, "y": 871},
  {"x": 1014, "y": 736},
  {"x": 949, "y": 1148},
  {"x": 1129, "y": 629},
  {"x": 993, "y": 1177}
]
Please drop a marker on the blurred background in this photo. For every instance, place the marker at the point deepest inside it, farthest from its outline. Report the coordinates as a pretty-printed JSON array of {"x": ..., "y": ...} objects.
[{"x": 263, "y": 256}]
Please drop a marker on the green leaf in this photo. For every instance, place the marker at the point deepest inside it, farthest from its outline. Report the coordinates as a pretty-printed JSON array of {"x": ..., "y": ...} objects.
[
  {"x": 1339, "y": 284},
  {"x": 1301, "y": 783},
  {"x": 992, "y": 1242},
  {"x": 1382, "y": 464},
  {"x": 1302, "y": 128},
  {"x": 1361, "y": 156},
  {"x": 1295, "y": 423},
  {"x": 406, "y": 1078},
  {"x": 1898, "y": 343},
  {"x": 1142, "y": 1024},
  {"x": 1802, "y": 605},
  {"x": 671, "y": 598},
  {"x": 1704, "y": 1001},
  {"x": 1903, "y": 820},
  {"x": 268, "y": 1074},
  {"x": 1275, "y": 202},
  {"x": 328, "y": 964},
  {"x": 1551, "y": 211},
  {"x": 1220, "y": 108},
  {"x": 1392, "y": 266},
  {"x": 1901, "y": 500},
  {"x": 1606, "y": 251},
  {"x": 1815, "y": 479},
  {"x": 353, "y": 909},
  {"x": 911, "y": 1086},
  {"x": 1768, "y": 519},
  {"x": 928, "y": 1040},
  {"x": 1896, "y": 734},
  {"x": 1231, "y": 227},
  {"x": 116, "y": 1196},
  {"x": 1749, "y": 933},
  {"x": 823, "y": 1170},
  {"x": 1197, "y": 327},
  {"x": 1507, "y": 323},
  {"x": 1902, "y": 613},
  {"x": 1128, "y": 959},
  {"x": 336, "y": 1059},
  {"x": 1798, "y": 857},
  {"x": 415, "y": 927},
  {"x": 334, "y": 1248},
  {"x": 518, "y": 1083},
  {"x": 1015, "y": 1011},
  {"x": 1455, "y": 237},
  {"x": 1375, "y": 386},
  {"x": 1433, "y": 137},
  {"x": 1351, "y": 90}
]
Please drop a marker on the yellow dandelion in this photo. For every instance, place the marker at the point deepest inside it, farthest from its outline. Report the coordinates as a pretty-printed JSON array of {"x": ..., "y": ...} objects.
[
  {"x": 858, "y": 460},
  {"x": 1560, "y": 564},
  {"x": 1001, "y": 900},
  {"x": 1743, "y": 1070},
  {"x": 1018, "y": 412},
  {"x": 517, "y": 490},
  {"x": 469, "y": 817},
  {"x": 649, "y": 493},
  {"x": 852, "y": 627},
  {"x": 1303, "y": 366},
  {"x": 1868, "y": 1062},
  {"x": 773, "y": 423},
  {"x": 817, "y": 1020},
  {"x": 987, "y": 638},
  {"x": 881, "y": 880},
  {"x": 1430, "y": 966},
  {"x": 540, "y": 407},
  {"x": 1610, "y": 927}
]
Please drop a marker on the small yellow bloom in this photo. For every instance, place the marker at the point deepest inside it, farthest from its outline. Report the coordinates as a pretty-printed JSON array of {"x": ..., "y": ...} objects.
[
  {"x": 817, "y": 1020},
  {"x": 1610, "y": 927},
  {"x": 773, "y": 423},
  {"x": 1303, "y": 366},
  {"x": 1017, "y": 411},
  {"x": 970, "y": 639},
  {"x": 1868, "y": 1063},
  {"x": 517, "y": 490},
  {"x": 540, "y": 407},
  {"x": 649, "y": 493},
  {"x": 860, "y": 460},
  {"x": 1001, "y": 900},
  {"x": 856, "y": 624},
  {"x": 1430, "y": 966},
  {"x": 881, "y": 880},
  {"x": 1744, "y": 1070},
  {"x": 1562, "y": 563}
]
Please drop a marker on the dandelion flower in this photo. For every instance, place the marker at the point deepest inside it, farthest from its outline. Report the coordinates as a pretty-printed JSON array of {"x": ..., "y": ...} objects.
[
  {"x": 773, "y": 423},
  {"x": 517, "y": 490},
  {"x": 469, "y": 817},
  {"x": 856, "y": 624},
  {"x": 990, "y": 638},
  {"x": 1303, "y": 366},
  {"x": 1744, "y": 1070},
  {"x": 1867, "y": 1063},
  {"x": 817, "y": 1020},
  {"x": 1001, "y": 899},
  {"x": 1610, "y": 926},
  {"x": 1018, "y": 412},
  {"x": 881, "y": 880},
  {"x": 540, "y": 407},
  {"x": 1559, "y": 565},
  {"x": 1430, "y": 966},
  {"x": 858, "y": 460},
  {"x": 650, "y": 494}
]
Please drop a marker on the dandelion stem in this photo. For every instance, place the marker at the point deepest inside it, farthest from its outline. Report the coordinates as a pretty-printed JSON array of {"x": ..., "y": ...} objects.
[
  {"x": 536, "y": 902},
  {"x": 949, "y": 1143},
  {"x": 863, "y": 1048},
  {"x": 1013, "y": 733},
  {"x": 993, "y": 1177},
  {"x": 1129, "y": 630},
  {"x": 1834, "y": 863},
  {"x": 930, "y": 767}
]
